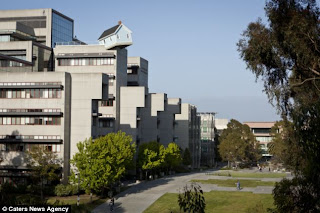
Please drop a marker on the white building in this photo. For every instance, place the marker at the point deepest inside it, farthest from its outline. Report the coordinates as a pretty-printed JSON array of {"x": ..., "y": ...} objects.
[{"x": 58, "y": 97}]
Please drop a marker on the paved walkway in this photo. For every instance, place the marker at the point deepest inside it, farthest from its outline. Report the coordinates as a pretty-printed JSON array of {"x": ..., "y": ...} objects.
[{"x": 140, "y": 196}]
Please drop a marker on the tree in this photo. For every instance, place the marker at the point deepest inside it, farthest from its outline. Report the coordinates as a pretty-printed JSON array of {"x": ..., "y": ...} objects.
[
  {"x": 44, "y": 165},
  {"x": 283, "y": 146},
  {"x": 238, "y": 143},
  {"x": 187, "y": 159},
  {"x": 172, "y": 156},
  {"x": 103, "y": 161},
  {"x": 285, "y": 54},
  {"x": 192, "y": 199},
  {"x": 151, "y": 156}
]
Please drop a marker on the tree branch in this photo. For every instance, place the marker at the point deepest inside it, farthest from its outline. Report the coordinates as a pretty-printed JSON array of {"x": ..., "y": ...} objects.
[
  {"x": 308, "y": 79},
  {"x": 314, "y": 71}
]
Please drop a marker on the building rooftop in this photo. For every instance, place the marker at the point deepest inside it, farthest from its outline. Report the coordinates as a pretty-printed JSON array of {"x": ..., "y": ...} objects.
[
  {"x": 255, "y": 124},
  {"x": 109, "y": 31}
]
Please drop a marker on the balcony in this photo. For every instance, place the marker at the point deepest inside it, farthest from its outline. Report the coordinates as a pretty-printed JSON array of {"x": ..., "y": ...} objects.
[
  {"x": 31, "y": 85},
  {"x": 28, "y": 112},
  {"x": 34, "y": 139}
]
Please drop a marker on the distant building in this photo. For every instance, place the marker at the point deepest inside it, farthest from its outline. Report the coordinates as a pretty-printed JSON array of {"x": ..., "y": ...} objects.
[
  {"x": 187, "y": 131},
  {"x": 261, "y": 131},
  {"x": 207, "y": 138},
  {"x": 221, "y": 124}
]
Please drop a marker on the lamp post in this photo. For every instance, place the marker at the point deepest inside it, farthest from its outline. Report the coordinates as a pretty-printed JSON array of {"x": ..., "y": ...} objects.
[{"x": 78, "y": 198}]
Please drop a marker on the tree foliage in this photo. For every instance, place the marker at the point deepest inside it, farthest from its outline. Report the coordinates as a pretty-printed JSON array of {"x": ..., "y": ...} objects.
[
  {"x": 238, "y": 143},
  {"x": 192, "y": 199},
  {"x": 187, "y": 159},
  {"x": 45, "y": 166},
  {"x": 103, "y": 161},
  {"x": 283, "y": 146},
  {"x": 285, "y": 54},
  {"x": 172, "y": 157},
  {"x": 151, "y": 155}
]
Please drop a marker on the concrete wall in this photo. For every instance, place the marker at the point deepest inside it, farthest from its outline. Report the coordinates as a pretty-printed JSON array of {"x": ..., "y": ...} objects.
[
  {"x": 188, "y": 132},
  {"x": 63, "y": 104},
  {"x": 32, "y": 13},
  {"x": 131, "y": 99},
  {"x": 141, "y": 78},
  {"x": 86, "y": 88}
]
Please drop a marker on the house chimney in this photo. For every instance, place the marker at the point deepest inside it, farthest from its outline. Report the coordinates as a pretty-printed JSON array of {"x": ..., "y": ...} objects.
[{"x": 119, "y": 22}]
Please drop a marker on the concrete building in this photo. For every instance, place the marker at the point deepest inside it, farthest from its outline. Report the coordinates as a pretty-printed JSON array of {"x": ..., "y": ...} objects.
[
  {"x": 188, "y": 132},
  {"x": 207, "y": 138},
  {"x": 45, "y": 26},
  {"x": 220, "y": 124},
  {"x": 56, "y": 91},
  {"x": 261, "y": 131}
]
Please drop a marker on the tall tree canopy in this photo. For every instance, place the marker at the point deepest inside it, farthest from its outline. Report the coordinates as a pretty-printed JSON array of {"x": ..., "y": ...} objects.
[
  {"x": 44, "y": 165},
  {"x": 238, "y": 143},
  {"x": 285, "y": 54},
  {"x": 103, "y": 161}
]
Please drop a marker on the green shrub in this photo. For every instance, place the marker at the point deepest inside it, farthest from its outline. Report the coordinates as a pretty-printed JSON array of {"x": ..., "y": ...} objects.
[
  {"x": 74, "y": 189},
  {"x": 63, "y": 190}
]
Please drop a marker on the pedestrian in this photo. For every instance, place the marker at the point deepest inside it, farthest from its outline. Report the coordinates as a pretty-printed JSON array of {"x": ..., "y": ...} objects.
[{"x": 238, "y": 185}]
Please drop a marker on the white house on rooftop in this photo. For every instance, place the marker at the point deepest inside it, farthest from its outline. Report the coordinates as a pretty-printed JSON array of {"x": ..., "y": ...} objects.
[{"x": 119, "y": 35}]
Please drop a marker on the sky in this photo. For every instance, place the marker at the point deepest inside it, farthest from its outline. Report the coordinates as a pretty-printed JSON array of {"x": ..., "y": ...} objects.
[{"x": 190, "y": 46}]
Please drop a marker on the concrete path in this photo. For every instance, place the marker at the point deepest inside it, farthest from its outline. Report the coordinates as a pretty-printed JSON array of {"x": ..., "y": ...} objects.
[{"x": 140, "y": 196}]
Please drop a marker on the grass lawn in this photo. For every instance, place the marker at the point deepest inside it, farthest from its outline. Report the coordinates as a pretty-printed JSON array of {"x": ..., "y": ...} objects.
[
  {"x": 232, "y": 182},
  {"x": 249, "y": 175},
  {"x": 217, "y": 201},
  {"x": 85, "y": 205}
]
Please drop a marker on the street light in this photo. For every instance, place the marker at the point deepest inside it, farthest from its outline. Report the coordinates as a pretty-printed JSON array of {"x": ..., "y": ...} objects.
[{"x": 78, "y": 198}]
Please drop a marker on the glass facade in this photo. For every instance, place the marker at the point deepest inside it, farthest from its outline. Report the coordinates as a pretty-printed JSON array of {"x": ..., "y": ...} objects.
[{"x": 62, "y": 29}]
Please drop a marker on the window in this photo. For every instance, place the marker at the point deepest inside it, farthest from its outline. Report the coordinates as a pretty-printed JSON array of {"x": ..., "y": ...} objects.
[
  {"x": 106, "y": 123},
  {"x": 107, "y": 103},
  {"x": 85, "y": 61}
]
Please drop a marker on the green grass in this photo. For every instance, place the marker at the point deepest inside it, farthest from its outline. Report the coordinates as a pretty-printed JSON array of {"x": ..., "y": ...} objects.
[
  {"x": 249, "y": 175},
  {"x": 216, "y": 201},
  {"x": 232, "y": 182},
  {"x": 85, "y": 205}
]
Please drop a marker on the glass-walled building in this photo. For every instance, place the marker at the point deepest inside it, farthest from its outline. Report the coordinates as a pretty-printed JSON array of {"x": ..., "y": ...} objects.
[
  {"x": 62, "y": 28},
  {"x": 46, "y": 26},
  {"x": 207, "y": 138}
]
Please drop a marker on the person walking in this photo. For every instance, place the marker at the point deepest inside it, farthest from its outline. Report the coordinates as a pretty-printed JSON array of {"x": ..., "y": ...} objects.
[{"x": 238, "y": 185}]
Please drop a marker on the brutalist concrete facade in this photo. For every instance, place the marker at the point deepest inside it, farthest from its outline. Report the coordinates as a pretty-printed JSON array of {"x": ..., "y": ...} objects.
[{"x": 60, "y": 93}]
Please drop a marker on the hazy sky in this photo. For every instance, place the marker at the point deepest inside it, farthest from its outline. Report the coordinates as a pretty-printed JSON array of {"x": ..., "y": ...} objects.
[{"x": 190, "y": 46}]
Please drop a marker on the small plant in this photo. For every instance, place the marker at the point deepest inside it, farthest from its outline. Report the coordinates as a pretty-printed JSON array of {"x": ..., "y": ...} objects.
[{"x": 192, "y": 199}]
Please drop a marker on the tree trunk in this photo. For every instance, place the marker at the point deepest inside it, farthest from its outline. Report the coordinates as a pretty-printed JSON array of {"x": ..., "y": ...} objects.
[
  {"x": 41, "y": 191},
  {"x": 91, "y": 197}
]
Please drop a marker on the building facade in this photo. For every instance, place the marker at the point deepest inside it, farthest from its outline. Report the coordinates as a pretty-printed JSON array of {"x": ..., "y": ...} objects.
[
  {"x": 56, "y": 91},
  {"x": 207, "y": 138},
  {"x": 261, "y": 131}
]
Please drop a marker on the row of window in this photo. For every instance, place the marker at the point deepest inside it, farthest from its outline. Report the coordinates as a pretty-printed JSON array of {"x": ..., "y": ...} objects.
[
  {"x": 264, "y": 139},
  {"x": 106, "y": 123},
  {"x": 85, "y": 61},
  {"x": 27, "y": 147},
  {"x": 30, "y": 93},
  {"x": 8, "y": 63},
  {"x": 30, "y": 110},
  {"x": 107, "y": 103},
  {"x": 36, "y": 137},
  {"x": 29, "y": 83},
  {"x": 30, "y": 121}
]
